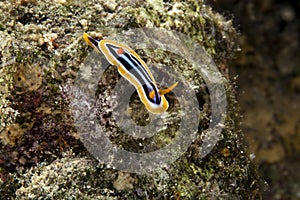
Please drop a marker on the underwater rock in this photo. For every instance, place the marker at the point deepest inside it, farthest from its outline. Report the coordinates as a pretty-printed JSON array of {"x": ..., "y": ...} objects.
[{"x": 49, "y": 172}]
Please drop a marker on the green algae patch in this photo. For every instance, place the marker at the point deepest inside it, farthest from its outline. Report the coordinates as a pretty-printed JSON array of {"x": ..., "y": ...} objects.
[
  {"x": 45, "y": 47},
  {"x": 7, "y": 113},
  {"x": 192, "y": 18}
]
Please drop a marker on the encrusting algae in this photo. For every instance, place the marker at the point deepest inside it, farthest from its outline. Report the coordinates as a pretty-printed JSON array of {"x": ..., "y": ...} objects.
[{"x": 47, "y": 39}]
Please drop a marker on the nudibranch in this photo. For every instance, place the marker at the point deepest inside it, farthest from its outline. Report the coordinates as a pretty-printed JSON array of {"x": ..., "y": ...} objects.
[{"x": 135, "y": 70}]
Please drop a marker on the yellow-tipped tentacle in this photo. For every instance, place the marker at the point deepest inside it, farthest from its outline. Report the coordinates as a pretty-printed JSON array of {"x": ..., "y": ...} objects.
[
  {"x": 86, "y": 39},
  {"x": 169, "y": 89}
]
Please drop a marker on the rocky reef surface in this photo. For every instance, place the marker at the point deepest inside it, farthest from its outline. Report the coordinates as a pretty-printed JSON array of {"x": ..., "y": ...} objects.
[{"x": 41, "y": 154}]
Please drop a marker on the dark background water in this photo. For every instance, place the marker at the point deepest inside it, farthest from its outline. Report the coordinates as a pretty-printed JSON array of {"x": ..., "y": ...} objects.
[{"x": 267, "y": 72}]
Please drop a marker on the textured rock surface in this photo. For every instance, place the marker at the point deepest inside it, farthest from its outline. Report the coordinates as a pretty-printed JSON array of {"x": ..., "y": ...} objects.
[{"x": 43, "y": 41}]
